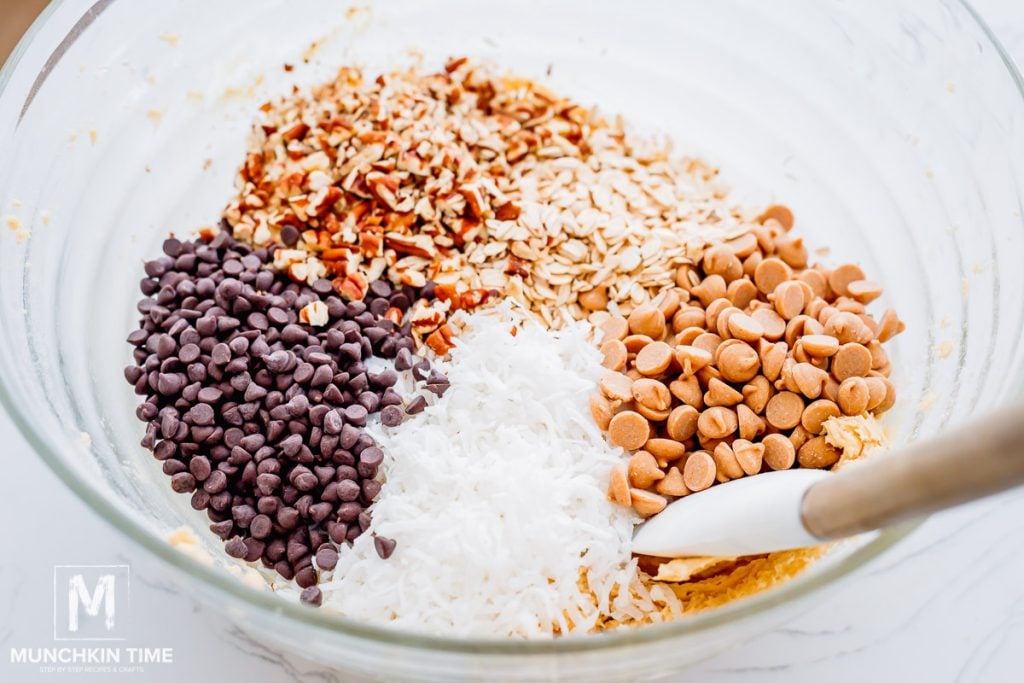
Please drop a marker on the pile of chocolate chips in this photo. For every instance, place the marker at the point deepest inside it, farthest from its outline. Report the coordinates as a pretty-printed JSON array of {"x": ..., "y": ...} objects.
[{"x": 260, "y": 418}]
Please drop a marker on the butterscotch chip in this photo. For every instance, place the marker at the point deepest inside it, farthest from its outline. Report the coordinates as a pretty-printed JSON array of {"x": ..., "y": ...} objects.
[
  {"x": 720, "y": 260},
  {"x": 717, "y": 422},
  {"x": 851, "y": 360},
  {"x": 772, "y": 323},
  {"x": 635, "y": 342},
  {"x": 809, "y": 380},
  {"x": 707, "y": 341},
  {"x": 654, "y": 358},
  {"x": 629, "y": 429},
  {"x": 647, "y": 504},
  {"x": 687, "y": 390},
  {"x": 817, "y": 304},
  {"x": 595, "y": 299},
  {"x": 691, "y": 358},
  {"x": 682, "y": 422},
  {"x": 672, "y": 484},
  {"x": 738, "y": 363},
  {"x": 751, "y": 262},
  {"x": 699, "y": 471},
  {"x": 687, "y": 316},
  {"x": 848, "y": 328},
  {"x": 668, "y": 303},
  {"x": 718, "y": 317},
  {"x": 771, "y": 273},
  {"x": 773, "y": 356},
  {"x": 788, "y": 299},
  {"x": 799, "y": 436},
  {"x": 748, "y": 455},
  {"x": 687, "y": 336},
  {"x": 779, "y": 213},
  {"x": 831, "y": 390},
  {"x": 779, "y": 453},
  {"x": 721, "y": 394},
  {"x": 614, "y": 355},
  {"x": 854, "y": 396},
  {"x": 643, "y": 470},
  {"x": 800, "y": 326},
  {"x": 876, "y": 392},
  {"x": 647, "y": 320},
  {"x": 665, "y": 449},
  {"x": 741, "y": 293},
  {"x": 711, "y": 288},
  {"x": 744, "y": 245},
  {"x": 818, "y": 454},
  {"x": 616, "y": 386},
  {"x": 726, "y": 465},
  {"x": 815, "y": 414},
  {"x": 743, "y": 326},
  {"x": 750, "y": 425},
  {"x": 889, "y": 326},
  {"x": 817, "y": 281},
  {"x": 615, "y": 327},
  {"x": 618, "y": 487},
  {"x": 706, "y": 374},
  {"x": 784, "y": 410},
  {"x": 756, "y": 394},
  {"x": 791, "y": 250},
  {"x": 890, "y": 397},
  {"x": 652, "y": 414},
  {"x": 819, "y": 345},
  {"x": 839, "y": 279},
  {"x": 651, "y": 393},
  {"x": 601, "y": 410}
]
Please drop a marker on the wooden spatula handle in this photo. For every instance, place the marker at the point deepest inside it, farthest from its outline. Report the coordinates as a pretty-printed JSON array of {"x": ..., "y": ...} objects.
[{"x": 966, "y": 463}]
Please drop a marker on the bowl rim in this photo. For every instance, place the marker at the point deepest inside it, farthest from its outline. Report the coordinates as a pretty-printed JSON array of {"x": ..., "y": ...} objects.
[{"x": 799, "y": 587}]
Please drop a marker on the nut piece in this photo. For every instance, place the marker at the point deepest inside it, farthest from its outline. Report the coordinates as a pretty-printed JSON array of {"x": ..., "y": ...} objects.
[
  {"x": 647, "y": 504},
  {"x": 779, "y": 453},
  {"x": 699, "y": 471},
  {"x": 784, "y": 410},
  {"x": 629, "y": 430},
  {"x": 818, "y": 454},
  {"x": 643, "y": 470}
]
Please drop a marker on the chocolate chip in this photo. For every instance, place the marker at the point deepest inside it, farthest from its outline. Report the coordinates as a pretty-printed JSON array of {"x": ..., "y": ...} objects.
[
  {"x": 384, "y": 546},
  {"x": 391, "y": 416},
  {"x": 311, "y": 595}
]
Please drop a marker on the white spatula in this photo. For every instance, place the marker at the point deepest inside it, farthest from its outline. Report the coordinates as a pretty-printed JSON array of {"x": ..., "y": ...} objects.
[{"x": 798, "y": 508}]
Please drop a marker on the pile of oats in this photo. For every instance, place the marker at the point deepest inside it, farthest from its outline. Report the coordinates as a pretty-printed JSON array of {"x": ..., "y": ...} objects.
[{"x": 481, "y": 183}]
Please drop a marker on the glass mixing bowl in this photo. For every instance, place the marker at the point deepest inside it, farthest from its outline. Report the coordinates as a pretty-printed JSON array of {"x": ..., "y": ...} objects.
[{"x": 894, "y": 129}]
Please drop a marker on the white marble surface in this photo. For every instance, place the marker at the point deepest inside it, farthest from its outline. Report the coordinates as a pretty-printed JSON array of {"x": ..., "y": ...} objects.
[{"x": 947, "y": 605}]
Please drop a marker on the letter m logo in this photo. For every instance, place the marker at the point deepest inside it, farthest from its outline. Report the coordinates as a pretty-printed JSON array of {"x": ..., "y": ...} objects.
[{"x": 89, "y": 602}]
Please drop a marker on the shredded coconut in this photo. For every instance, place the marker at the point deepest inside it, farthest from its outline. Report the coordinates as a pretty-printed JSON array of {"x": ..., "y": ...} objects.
[{"x": 496, "y": 497}]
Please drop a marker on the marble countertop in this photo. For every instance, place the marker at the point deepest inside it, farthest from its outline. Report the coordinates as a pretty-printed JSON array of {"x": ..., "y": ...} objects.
[{"x": 946, "y": 605}]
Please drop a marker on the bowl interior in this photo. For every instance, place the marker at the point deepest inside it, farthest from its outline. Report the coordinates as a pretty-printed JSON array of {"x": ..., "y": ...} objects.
[{"x": 894, "y": 130}]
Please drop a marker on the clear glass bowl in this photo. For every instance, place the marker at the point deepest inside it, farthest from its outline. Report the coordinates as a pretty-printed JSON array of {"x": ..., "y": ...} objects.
[{"x": 894, "y": 129}]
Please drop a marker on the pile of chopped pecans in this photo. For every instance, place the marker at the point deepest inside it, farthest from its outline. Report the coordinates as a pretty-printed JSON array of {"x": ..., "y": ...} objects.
[
  {"x": 736, "y": 370},
  {"x": 479, "y": 183}
]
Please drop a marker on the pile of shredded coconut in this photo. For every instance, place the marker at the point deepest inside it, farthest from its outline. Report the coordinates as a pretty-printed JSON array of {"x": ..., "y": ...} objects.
[{"x": 496, "y": 496}]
